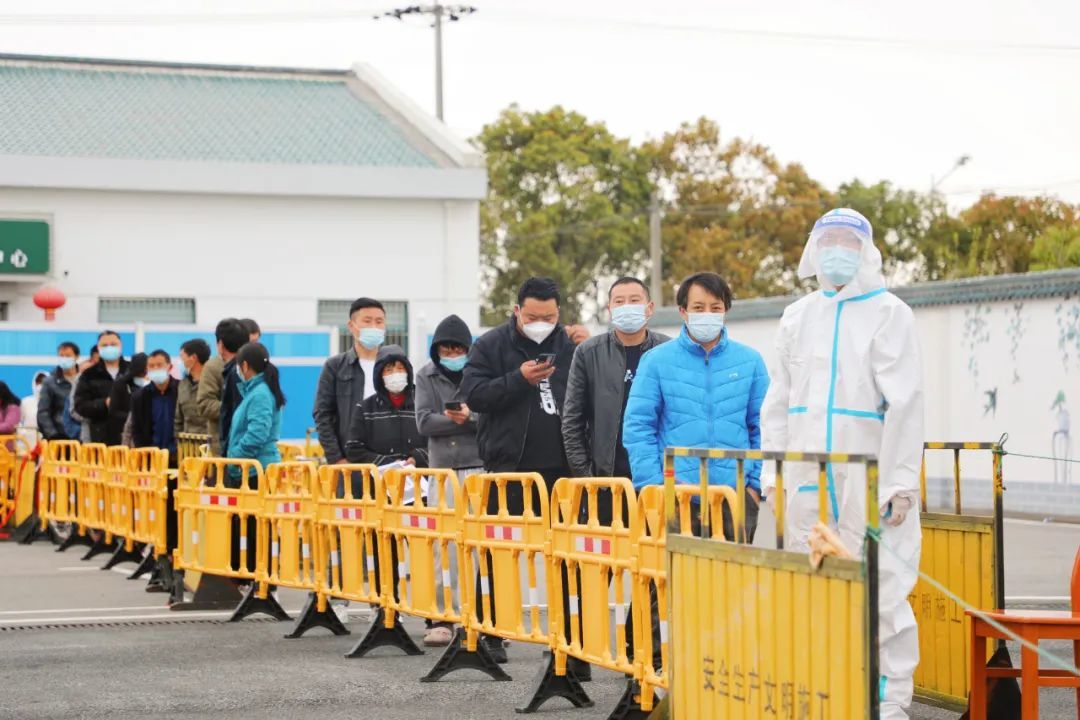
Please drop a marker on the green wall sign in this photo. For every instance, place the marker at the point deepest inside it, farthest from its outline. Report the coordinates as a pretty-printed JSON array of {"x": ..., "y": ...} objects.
[{"x": 24, "y": 247}]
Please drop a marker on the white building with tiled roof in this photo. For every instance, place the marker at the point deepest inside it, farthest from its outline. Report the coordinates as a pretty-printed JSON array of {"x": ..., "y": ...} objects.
[{"x": 165, "y": 193}]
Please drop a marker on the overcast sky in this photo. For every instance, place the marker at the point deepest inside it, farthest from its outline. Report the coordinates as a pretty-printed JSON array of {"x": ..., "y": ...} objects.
[{"x": 849, "y": 88}]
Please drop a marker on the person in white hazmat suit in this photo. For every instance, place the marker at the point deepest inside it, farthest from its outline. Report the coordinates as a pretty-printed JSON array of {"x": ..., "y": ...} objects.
[{"x": 848, "y": 378}]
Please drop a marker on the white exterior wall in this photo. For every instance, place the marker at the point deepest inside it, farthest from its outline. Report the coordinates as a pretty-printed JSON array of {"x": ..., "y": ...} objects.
[
  {"x": 270, "y": 258},
  {"x": 989, "y": 369}
]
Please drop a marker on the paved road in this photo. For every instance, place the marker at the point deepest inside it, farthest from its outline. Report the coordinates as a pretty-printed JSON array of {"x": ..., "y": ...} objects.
[{"x": 78, "y": 642}]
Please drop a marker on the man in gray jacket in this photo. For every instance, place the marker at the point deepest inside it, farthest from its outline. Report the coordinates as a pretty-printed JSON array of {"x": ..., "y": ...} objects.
[
  {"x": 600, "y": 378},
  {"x": 449, "y": 426}
]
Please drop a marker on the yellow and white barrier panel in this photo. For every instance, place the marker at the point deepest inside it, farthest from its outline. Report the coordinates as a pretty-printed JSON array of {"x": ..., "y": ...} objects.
[
  {"x": 7, "y": 478},
  {"x": 59, "y": 478},
  {"x": 191, "y": 445},
  {"x": 288, "y": 541},
  {"x": 759, "y": 633},
  {"x": 117, "y": 496},
  {"x": 966, "y": 552},
  {"x": 147, "y": 480},
  {"x": 90, "y": 510},
  {"x": 218, "y": 503},
  {"x": 346, "y": 530}
]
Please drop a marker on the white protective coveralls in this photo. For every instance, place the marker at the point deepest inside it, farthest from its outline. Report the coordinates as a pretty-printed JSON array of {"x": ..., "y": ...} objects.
[{"x": 848, "y": 378}]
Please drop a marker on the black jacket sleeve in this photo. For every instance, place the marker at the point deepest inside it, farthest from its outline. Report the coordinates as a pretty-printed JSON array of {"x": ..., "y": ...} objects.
[
  {"x": 325, "y": 414},
  {"x": 47, "y": 402},
  {"x": 574, "y": 424},
  {"x": 88, "y": 405},
  {"x": 485, "y": 388}
]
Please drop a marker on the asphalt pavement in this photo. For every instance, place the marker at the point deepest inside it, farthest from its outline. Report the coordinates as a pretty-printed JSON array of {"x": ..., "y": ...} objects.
[{"x": 78, "y": 642}]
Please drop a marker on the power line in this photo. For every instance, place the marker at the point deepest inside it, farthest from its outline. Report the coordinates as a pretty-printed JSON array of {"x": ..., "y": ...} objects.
[{"x": 452, "y": 13}]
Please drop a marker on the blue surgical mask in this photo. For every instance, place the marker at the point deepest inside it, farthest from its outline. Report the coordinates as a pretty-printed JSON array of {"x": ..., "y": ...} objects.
[
  {"x": 372, "y": 338},
  {"x": 454, "y": 364},
  {"x": 705, "y": 327},
  {"x": 110, "y": 353},
  {"x": 65, "y": 363},
  {"x": 182, "y": 371},
  {"x": 629, "y": 318},
  {"x": 158, "y": 377},
  {"x": 239, "y": 373},
  {"x": 141, "y": 382},
  {"x": 839, "y": 264}
]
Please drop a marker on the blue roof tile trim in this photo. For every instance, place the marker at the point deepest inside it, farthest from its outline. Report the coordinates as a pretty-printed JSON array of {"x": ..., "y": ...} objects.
[
  {"x": 60, "y": 108},
  {"x": 998, "y": 288}
]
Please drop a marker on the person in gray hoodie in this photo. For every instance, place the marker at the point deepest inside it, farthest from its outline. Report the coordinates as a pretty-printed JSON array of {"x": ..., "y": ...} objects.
[{"x": 449, "y": 426}]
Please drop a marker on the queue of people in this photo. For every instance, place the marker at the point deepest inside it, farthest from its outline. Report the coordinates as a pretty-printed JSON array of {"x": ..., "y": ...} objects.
[
  {"x": 149, "y": 399},
  {"x": 535, "y": 395}
]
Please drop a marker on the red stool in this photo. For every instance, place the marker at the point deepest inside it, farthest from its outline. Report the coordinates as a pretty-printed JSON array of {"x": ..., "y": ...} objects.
[{"x": 1033, "y": 626}]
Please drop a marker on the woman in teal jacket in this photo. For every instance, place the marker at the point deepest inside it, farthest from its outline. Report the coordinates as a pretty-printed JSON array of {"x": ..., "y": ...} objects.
[{"x": 256, "y": 424}]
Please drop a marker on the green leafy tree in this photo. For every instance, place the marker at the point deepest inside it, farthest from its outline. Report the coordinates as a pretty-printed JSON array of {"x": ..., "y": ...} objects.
[
  {"x": 1057, "y": 248},
  {"x": 733, "y": 208},
  {"x": 998, "y": 233},
  {"x": 567, "y": 199}
]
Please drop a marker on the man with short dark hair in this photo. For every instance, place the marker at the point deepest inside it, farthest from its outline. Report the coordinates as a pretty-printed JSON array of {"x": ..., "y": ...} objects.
[
  {"x": 96, "y": 384},
  {"x": 55, "y": 392},
  {"x": 153, "y": 407},
  {"x": 516, "y": 379},
  {"x": 348, "y": 379},
  {"x": 601, "y": 376},
  {"x": 701, "y": 390},
  {"x": 252, "y": 329},
  {"x": 214, "y": 403},
  {"x": 194, "y": 354}
]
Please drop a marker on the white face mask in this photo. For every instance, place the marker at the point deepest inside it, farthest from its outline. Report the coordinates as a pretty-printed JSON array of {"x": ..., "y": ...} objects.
[
  {"x": 538, "y": 331},
  {"x": 396, "y": 382}
]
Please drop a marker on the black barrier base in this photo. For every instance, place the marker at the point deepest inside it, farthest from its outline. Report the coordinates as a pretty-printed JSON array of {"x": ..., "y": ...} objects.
[
  {"x": 457, "y": 657},
  {"x": 100, "y": 547},
  {"x": 629, "y": 707},
  {"x": 75, "y": 539},
  {"x": 311, "y": 617},
  {"x": 548, "y": 685},
  {"x": 121, "y": 554},
  {"x": 212, "y": 593},
  {"x": 29, "y": 530},
  {"x": 160, "y": 574},
  {"x": 146, "y": 564},
  {"x": 378, "y": 635},
  {"x": 252, "y": 604}
]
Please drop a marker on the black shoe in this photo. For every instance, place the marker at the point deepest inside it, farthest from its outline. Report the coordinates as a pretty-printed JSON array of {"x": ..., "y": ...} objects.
[
  {"x": 581, "y": 669},
  {"x": 495, "y": 648}
]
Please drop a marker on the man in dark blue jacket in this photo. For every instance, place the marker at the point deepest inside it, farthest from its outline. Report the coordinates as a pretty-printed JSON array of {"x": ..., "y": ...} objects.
[{"x": 702, "y": 390}]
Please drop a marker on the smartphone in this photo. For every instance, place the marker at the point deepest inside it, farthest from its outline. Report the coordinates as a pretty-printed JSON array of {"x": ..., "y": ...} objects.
[
  {"x": 546, "y": 358},
  {"x": 455, "y": 406}
]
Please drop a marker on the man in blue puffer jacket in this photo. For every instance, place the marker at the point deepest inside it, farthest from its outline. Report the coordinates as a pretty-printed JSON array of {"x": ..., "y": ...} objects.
[{"x": 701, "y": 390}]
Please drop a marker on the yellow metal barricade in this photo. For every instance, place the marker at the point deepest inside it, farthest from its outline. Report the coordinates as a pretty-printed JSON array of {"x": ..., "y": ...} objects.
[
  {"x": 205, "y": 510},
  {"x": 147, "y": 480},
  {"x": 22, "y": 490},
  {"x": 496, "y": 544},
  {"x": 7, "y": 478},
  {"x": 117, "y": 496},
  {"x": 966, "y": 553},
  {"x": 289, "y": 452},
  {"x": 190, "y": 445},
  {"x": 91, "y": 487},
  {"x": 759, "y": 633},
  {"x": 57, "y": 487},
  {"x": 596, "y": 560},
  {"x": 650, "y": 576},
  {"x": 346, "y": 529},
  {"x": 288, "y": 542}
]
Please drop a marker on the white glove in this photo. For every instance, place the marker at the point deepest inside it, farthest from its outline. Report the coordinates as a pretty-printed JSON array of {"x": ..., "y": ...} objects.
[{"x": 896, "y": 510}]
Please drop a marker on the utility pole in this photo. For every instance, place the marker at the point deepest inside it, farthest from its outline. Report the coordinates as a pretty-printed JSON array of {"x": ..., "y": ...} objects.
[
  {"x": 656, "y": 278},
  {"x": 453, "y": 13}
]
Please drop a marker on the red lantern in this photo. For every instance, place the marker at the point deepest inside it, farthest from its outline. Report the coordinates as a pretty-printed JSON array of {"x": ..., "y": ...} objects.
[{"x": 50, "y": 300}]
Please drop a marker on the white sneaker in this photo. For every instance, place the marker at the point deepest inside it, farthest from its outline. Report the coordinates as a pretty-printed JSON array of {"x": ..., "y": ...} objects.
[{"x": 342, "y": 613}]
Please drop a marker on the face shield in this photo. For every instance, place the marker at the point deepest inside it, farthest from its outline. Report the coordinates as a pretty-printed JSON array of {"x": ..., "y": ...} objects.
[{"x": 841, "y": 252}]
